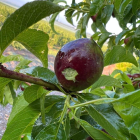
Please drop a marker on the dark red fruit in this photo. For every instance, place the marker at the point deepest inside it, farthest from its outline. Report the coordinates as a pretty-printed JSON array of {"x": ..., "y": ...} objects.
[
  {"x": 127, "y": 40},
  {"x": 135, "y": 84},
  {"x": 94, "y": 17},
  {"x": 89, "y": 138},
  {"x": 136, "y": 75},
  {"x": 79, "y": 64}
]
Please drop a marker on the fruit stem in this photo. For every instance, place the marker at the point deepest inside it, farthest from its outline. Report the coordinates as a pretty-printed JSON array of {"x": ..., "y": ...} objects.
[
  {"x": 23, "y": 77},
  {"x": 98, "y": 101}
]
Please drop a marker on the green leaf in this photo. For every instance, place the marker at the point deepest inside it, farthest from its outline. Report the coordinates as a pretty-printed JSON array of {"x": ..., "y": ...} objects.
[
  {"x": 96, "y": 35},
  {"x": 128, "y": 88},
  {"x": 106, "y": 81},
  {"x": 84, "y": 24},
  {"x": 99, "y": 24},
  {"x": 75, "y": 133},
  {"x": 22, "y": 65},
  {"x": 137, "y": 37},
  {"x": 23, "y": 18},
  {"x": 119, "y": 54},
  {"x": 93, "y": 132},
  {"x": 26, "y": 116},
  {"x": 103, "y": 37},
  {"x": 42, "y": 108},
  {"x": 78, "y": 34},
  {"x": 19, "y": 104},
  {"x": 93, "y": 27},
  {"x": 58, "y": 1},
  {"x": 36, "y": 42},
  {"x": 8, "y": 95},
  {"x": 117, "y": 5},
  {"x": 9, "y": 58},
  {"x": 67, "y": 126},
  {"x": 33, "y": 92},
  {"x": 4, "y": 82},
  {"x": 111, "y": 42},
  {"x": 78, "y": 114},
  {"x": 119, "y": 36},
  {"x": 98, "y": 91},
  {"x": 79, "y": 27},
  {"x": 123, "y": 6},
  {"x": 53, "y": 131},
  {"x": 95, "y": 6},
  {"x": 106, "y": 13},
  {"x": 1, "y": 95},
  {"x": 51, "y": 116},
  {"x": 135, "y": 5},
  {"x": 128, "y": 107},
  {"x": 41, "y": 72},
  {"x": 13, "y": 93},
  {"x": 52, "y": 20},
  {"x": 68, "y": 15},
  {"x": 116, "y": 71},
  {"x": 126, "y": 78},
  {"x": 106, "y": 117}
]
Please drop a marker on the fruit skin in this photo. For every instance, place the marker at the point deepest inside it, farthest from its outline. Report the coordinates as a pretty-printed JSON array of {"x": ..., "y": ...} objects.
[
  {"x": 127, "y": 40},
  {"x": 84, "y": 56},
  {"x": 136, "y": 75}
]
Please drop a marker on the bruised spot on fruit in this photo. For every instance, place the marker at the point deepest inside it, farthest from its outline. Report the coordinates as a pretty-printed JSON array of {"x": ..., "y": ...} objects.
[{"x": 70, "y": 74}]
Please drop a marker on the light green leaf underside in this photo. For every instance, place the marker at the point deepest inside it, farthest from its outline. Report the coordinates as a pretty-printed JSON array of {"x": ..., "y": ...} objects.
[{"x": 36, "y": 42}]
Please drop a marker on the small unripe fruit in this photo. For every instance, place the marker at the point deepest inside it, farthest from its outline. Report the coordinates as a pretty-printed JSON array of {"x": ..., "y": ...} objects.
[
  {"x": 127, "y": 40},
  {"x": 78, "y": 64}
]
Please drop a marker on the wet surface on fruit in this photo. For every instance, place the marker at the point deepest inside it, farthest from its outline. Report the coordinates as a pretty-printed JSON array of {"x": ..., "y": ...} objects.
[{"x": 85, "y": 57}]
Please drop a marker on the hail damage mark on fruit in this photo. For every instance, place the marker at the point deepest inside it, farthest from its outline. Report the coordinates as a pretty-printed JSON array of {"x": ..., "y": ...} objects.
[
  {"x": 85, "y": 57},
  {"x": 70, "y": 74}
]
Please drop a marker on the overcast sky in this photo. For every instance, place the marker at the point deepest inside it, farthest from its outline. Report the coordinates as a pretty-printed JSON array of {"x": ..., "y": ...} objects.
[{"x": 112, "y": 26}]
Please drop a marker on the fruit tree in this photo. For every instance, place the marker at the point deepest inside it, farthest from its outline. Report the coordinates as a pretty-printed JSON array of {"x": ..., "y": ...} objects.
[{"x": 91, "y": 105}]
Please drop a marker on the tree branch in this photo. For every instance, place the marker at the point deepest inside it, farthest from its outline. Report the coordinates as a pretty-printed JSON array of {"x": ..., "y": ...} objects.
[{"x": 23, "y": 77}]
